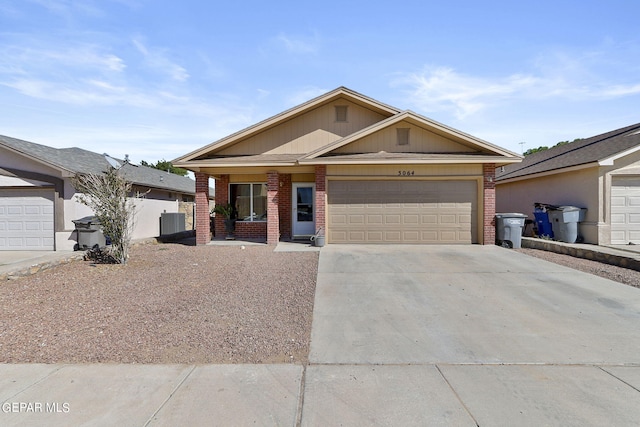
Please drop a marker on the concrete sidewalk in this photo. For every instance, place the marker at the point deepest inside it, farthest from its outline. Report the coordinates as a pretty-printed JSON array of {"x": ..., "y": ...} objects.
[{"x": 320, "y": 395}]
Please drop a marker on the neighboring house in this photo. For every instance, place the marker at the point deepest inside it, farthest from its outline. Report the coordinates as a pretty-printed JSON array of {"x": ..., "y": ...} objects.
[
  {"x": 601, "y": 173},
  {"x": 38, "y": 203},
  {"x": 355, "y": 169}
]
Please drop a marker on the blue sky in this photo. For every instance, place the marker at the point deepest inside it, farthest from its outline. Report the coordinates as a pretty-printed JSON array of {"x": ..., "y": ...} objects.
[{"x": 157, "y": 79}]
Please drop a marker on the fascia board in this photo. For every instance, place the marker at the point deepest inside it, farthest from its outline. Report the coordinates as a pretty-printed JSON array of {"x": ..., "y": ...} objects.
[
  {"x": 453, "y": 160},
  {"x": 546, "y": 173},
  {"x": 609, "y": 161},
  {"x": 204, "y": 164}
]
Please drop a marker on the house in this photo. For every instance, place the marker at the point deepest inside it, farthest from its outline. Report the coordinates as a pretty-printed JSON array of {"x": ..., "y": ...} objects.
[
  {"x": 355, "y": 169},
  {"x": 38, "y": 203},
  {"x": 600, "y": 173}
]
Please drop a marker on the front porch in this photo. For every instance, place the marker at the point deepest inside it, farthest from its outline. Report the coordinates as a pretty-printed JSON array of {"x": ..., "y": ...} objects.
[{"x": 280, "y": 223}]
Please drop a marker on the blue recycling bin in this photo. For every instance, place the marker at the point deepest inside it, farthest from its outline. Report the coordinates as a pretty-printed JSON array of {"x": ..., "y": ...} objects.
[{"x": 543, "y": 224}]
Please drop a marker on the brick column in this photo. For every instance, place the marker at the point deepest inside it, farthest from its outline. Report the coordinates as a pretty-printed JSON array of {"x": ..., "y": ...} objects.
[
  {"x": 284, "y": 206},
  {"x": 273, "y": 217},
  {"x": 202, "y": 209},
  {"x": 489, "y": 198},
  {"x": 321, "y": 191},
  {"x": 222, "y": 197}
]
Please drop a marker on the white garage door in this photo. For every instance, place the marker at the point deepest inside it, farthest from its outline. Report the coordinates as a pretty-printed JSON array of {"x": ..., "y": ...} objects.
[
  {"x": 402, "y": 212},
  {"x": 625, "y": 210},
  {"x": 26, "y": 220}
]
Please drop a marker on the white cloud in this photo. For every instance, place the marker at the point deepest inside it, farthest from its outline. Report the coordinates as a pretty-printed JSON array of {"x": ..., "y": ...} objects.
[
  {"x": 444, "y": 89},
  {"x": 441, "y": 88},
  {"x": 68, "y": 8},
  {"x": 305, "y": 94},
  {"x": 157, "y": 60},
  {"x": 299, "y": 45}
]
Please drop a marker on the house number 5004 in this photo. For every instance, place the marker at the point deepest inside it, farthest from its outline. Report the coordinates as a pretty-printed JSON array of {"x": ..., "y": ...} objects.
[{"x": 406, "y": 173}]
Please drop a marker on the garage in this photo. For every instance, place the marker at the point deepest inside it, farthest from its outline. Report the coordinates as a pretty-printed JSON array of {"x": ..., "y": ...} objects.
[
  {"x": 625, "y": 210},
  {"x": 398, "y": 211},
  {"x": 26, "y": 219}
]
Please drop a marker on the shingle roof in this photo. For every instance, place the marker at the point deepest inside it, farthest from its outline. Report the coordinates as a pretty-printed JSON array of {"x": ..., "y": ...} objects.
[
  {"x": 584, "y": 151},
  {"x": 77, "y": 160}
]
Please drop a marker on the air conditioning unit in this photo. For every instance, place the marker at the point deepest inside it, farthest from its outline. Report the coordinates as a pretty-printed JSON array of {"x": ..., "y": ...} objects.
[{"x": 171, "y": 222}]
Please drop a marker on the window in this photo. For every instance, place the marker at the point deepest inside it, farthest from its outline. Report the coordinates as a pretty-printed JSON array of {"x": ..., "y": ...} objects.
[
  {"x": 403, "y": 136},
  {"x": 341, "y": 113},
  {"x": 249, "y": 200}
]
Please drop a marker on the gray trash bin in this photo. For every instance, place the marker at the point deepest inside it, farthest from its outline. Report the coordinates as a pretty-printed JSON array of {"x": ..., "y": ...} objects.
[
  {"x": 509, "y": 228},
  {"x": 89, "y": 233},
  {"x": 564, "y": 222}
]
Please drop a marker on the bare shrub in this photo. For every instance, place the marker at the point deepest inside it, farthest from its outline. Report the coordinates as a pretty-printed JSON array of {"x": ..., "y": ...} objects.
[{"x": 108, "y": 195}]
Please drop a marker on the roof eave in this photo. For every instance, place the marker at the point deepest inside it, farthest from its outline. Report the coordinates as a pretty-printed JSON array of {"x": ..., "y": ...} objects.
[
  {"x": 64, "y": 171},
  {"x": 609, "y": 161},
  {"x": 500, "y": 180},
  {"x": 195, "y": 167},
  {"x": 437, "y": 160}
]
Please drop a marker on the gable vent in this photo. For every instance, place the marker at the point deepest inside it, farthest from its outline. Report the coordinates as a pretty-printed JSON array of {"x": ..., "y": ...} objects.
[
  {"x": 403, "y": 136},
  {"x": 341, "y": 113}
]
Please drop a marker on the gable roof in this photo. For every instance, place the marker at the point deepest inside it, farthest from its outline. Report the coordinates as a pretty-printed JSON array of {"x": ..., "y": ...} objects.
[
  {"x": 477, "y": 150},
  {"x": 78, "y": 161},
  {"x": 341, "y": 92},
  {"x": 597, "y": 150},
  {"x": 483, "y": 147}
]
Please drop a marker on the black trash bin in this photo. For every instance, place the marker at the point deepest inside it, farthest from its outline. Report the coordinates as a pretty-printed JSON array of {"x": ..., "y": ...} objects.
[{"x": 90, "y": 234}]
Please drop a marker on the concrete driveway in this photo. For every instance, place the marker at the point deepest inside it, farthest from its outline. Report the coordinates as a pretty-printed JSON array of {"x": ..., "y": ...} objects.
[{"x": 459, "y": 335}]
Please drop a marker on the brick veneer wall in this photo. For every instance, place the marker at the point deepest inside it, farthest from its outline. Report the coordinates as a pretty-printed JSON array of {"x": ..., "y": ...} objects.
[
  {"x": 284, "y": 206},
  {"x": 489, "y": 197},
  {"x": 321, "y": 191},
  {"x": 251, "y": 230},
  {"x": 273, "y": 215},
  {"x": 203, "y": 235},
  {"x": 222, "y": 197}
]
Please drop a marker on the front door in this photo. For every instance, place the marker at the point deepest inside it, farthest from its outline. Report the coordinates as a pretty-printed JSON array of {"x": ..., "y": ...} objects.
[{"x": 303, "y": 209}]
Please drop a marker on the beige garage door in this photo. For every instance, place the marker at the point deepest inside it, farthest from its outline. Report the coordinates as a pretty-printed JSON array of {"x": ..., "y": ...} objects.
[
  {"x": 625, "y": 210},
  {"x": 402, "y": 212}
]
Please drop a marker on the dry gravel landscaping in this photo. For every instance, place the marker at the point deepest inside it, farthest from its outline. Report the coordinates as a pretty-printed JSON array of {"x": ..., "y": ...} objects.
[
  {"x": 611, "y": 272},
  {"x": 180, "y": 304},
  {"x": 169, "y": 304}
]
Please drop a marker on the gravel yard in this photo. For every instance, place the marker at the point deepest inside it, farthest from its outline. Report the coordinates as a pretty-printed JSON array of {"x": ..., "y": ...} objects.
[
  {"x": 170, "y": 304},
  {"x": 611, "y": 272}
]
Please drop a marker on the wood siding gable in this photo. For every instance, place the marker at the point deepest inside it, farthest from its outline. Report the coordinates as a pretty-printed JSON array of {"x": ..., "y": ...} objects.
[
  {"x": 425, "y": 137},
  {"x": 420, "y": 140},
  {"x": 307, "y": 132}
]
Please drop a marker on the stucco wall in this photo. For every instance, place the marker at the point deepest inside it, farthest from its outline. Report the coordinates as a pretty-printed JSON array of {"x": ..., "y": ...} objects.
[
  {"x": 576, "y": 188},
  {"x": 147, "y": 219}
]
